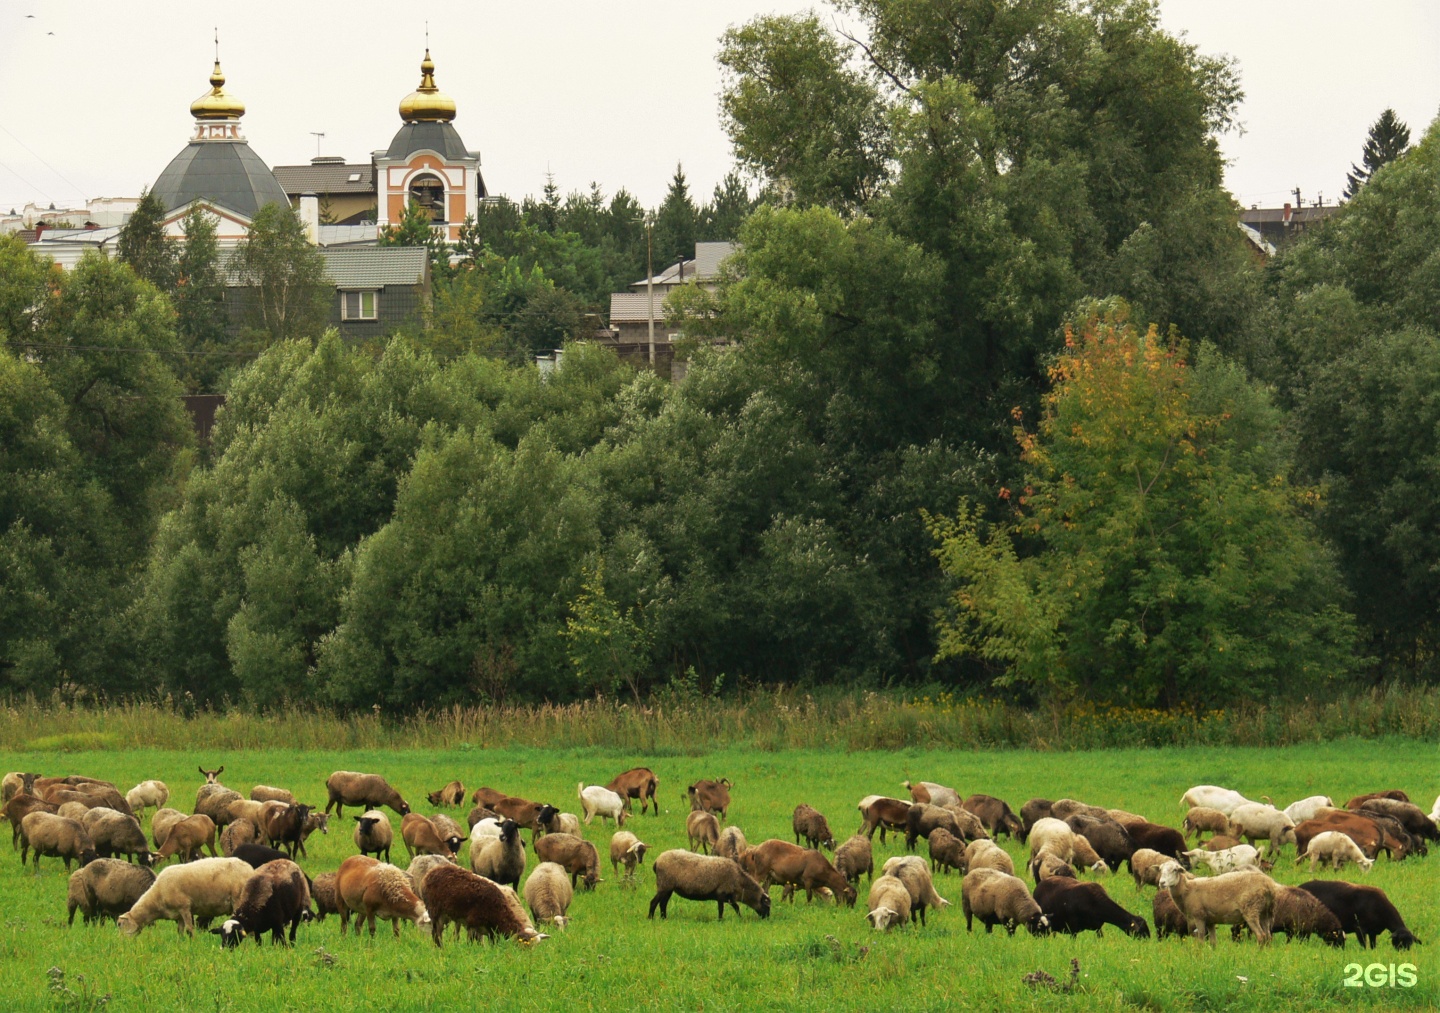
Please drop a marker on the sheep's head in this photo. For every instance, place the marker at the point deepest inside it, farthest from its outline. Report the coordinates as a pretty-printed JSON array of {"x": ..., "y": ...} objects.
[
  {"x": 367, "y": 823},
  {"x": 546, "y": 814},
  {"x": 509, "y": 830},
  {"x": 453, "y": 844},
  {"x": 403, "y": 808},
  {"x": 1138, "y": 929},
  {"x": 848, "y": 895},
  {"x": 1365, "y": 863},
  {"x": 1170, "y": 874},
  {"x": 231, "y": 934},
  {"x": 87, "y": 856},
  {"x": 211, "y": 776},
  {"x": 1038, "y": 924},
  {"x": 435, "y": 797},
  {"x": 128, "y": 925},
  {"x": 638, "y": 850},
  {"x": 882, "y": 918},
  {"x": 422, "y": 917}
]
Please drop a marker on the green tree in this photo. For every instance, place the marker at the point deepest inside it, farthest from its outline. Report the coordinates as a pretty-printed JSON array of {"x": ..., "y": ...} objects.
[
  {"x": 606, "y": 644},
  {"x": 289, "y": 296},
  {"x": 144, "y": 246},
  {"x": 1388, "y": 140},
  {"x": 416, "y": 229},
  {"x": 677, "y": 223},
  {"x": 1156, "y": 553},
  {"x": 199, "y": 297},
  {"x": 727, "y": 210}
]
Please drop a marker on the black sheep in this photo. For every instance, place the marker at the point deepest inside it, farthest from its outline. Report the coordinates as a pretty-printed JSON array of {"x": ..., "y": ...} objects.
[
  {"x": 1363, "y": 910},
  {"x": 1166, "y": 840},
  {"x": 256, "y": 855},
  {"x": 277, "y": 895},
  {"x": 1076, "y": 907}
]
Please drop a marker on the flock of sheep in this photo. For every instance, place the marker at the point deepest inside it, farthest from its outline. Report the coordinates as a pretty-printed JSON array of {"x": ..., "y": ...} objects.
[{"x": 258, "y": 887}]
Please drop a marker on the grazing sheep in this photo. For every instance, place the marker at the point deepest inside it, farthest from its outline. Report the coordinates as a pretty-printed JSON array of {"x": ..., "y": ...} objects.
[
  {"x": 453, "y": 794},
  {"x": 276, "y": 896},
  {"x": 284, "y": 826},
  {"x": 484, "y": 908},
  {"x": 487, "y": 796},
  {"x": 1053, "y": 837},
  {"x": 256, "y": 855},
  {"x": 971, "y": 829},
  {"x": 1075, "y": 907},
  {"x": 548, "y": 892},
  {"x": 1300, "y": 915},
  {"x": 249, "y": 809},
  {"x": 1032, "y": 812},
  {"x": 1366, "y": 834},
  {"x": 923, "y": 818},
  {"x": 888, "y": 904},
  {"x": 106, "y": 888},
  {"x": 481, "y": 812},
  {"x": 1335, "y": 849},
  {"x": 1124, "y": 818},
  {"x": 809, "y": 823},
  {"x": 420, "y": 867},
  {"x": 1145, "y": 867},
  {"x": 602, "y": 802},
  {"x": 994, "y": 815},
  {"x": 374, "y": 834},
  {"x": 1257, "y": 821},
  {"x": 732, "y": 843},
  {"x": 1307, "y": 808},
  {"x": 1110, "y": 840},
  {"x": 985, "y": 855},
  {"x": 1166, "y": 840},
  {"x": 214, "y": 801},
  {"x": 999, "y": 899},
  {"x": 576, "y": 855},
  {"x": 1228, "y": 899},
  {"x": 915, "y": 874},
  {"x": 1167, "y": 917},
  {"x": 1086, "y": 856},
  {"x": 369, "y": 889},
  {"x": 421, "y": 838},
  {"x": 1363, "y": 910},
  {"x": 532, "y": 816},
  {"x": 369, "y": 791},
  {"x": 446, "y": 826},
  {"x": 930, "y": 793},
  {"x": 115, "y": 834},
  {"x": 1241, "y": 856},
  {"x": 705, "y": 877},
  {"x": 147, "y": 795},
  {"x": 20, "y": 806},
  {"x": 502, "y": 858},
  {"x": 1220, "y": 842},
  {"x": 1050, "y": 866},
  {"x": 1411, "y": 816},
  {"x": 640, "y": 783},
  {"x": 268, "y": 793},
  {"x": 710, "y": 796},
  {"x": 77, "y": 810},
  {"x": 1213, "y": 797},
  {"x": 628, "y": 850},
  {"x": 55, "y": 837},
  {"x": 203, "y": 889},
  {"x": 161, "y": 823},
  {"x": 1064, "y": 808},
  {"x": 854, "y": 857},
  {"x": 948, "y": 851},
  {"x": 565, "y": 823},
  {"x": 103, "y": 793},
  {"x": 703, "y": 829},
  {"x": 1359, "y": 800},
  {"x": 780, "y": 863},
  {"x": 322, "y": 892},
  {"x": 237, "y": 833},
  {"x": 1202, "y": 819},
  {"x": 884, "y": 814},
  {"x": 186, "y": 838}
]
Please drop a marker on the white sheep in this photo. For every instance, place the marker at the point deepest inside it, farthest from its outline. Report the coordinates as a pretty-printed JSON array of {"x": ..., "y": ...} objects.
[
  {"x": 1255, "y": 821},
  {"x": 1307, "y": 808},
  {"x": 596, "y": 800},
  {"x": 888, "y": 904},
  {"x": 150, "y": 794},
  {"x": 1236, "y": 898},
  {"x": 483, "y": 831},
  {"x": 1241, "y": 856},
  {"x": 1050, "y": 836},
  {"x": 548, "y": 893},
  {"x": 1336, "y": 849},
  {"x": 1435, "y": 811},
  {"x": 204, "y": 888},
  {"x": 1214, "y": 797}
]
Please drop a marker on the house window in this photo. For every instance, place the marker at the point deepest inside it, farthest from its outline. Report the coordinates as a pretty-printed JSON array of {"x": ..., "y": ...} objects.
[{"x": 358, "y": 305}]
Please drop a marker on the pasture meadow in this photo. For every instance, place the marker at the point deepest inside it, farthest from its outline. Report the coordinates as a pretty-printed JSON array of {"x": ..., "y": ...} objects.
[{"x": 803, "y": 956}]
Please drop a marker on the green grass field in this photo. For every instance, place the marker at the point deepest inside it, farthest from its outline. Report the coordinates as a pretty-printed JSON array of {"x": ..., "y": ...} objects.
[{"x": 804, "y": 956}]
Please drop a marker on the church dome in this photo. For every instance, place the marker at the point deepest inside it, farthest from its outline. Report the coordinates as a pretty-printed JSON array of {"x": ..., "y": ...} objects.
[
  {"x": 217, "y": 104},
  {"x": 427, "y": 103}
]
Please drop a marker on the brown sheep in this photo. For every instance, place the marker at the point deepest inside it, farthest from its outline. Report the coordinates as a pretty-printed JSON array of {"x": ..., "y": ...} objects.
[
  {"x": 483, "y": 907},
  {"x": 1411, "y": 816},
  {"x": 1228, "y": 899},
  {"x": 161, "y": 823},
  {"x": 885, "y": 814},
  {"x": 704, "y": 831},
  {"x": 55, "y": 837},
  {"x": 284, "y": 827},
  {"x": 487, "y": 797},
  {"x": 1300, "y": 915},
  {"x": 575, "y": 855},
  {"x": 369, "y": 791},
  {"x": 1168, "y": 919},
  {"x": 1360, "y": 830},
  {"x": 527, "y": 815},
  {"x": 998, "y": 899},
  {"x": 854, "y": 857},
  {"x": 971, "y": 829},
  {"x": 187, "y": 837},
  {"x": 1221, "y": 842},
  {"x": 780, "y": 863},
  {"x": 106, "y": 888},
  {"x": 481, "y": 812},
  {"x": 1064, "y": 808},
  {"x": 947, "y": 851},
  {"x": 374, "y": 834},
  {"x": 807, "y": 822},
  {"x": 276, "y": 896},
  {"x": 267, "y": 793},
  {"x": 1359, "y": 800},
  {"x": 994, "y": 815},
  {"x": 371, "y": 889},
  {"x": 19, "y": 807},
  {"x": 446, "y": 826},
  {"x": 732, "y": 843},
  {"x": 710, "y": 796},
  {"x": 931, "y": 793},
  {"x": 453, "y": 794},
  {"x": 1031, "y": 812},
  {"x": 116, "y": 834},
  {"x": 214, "y": 800},
  {"x": 237, "y": 833},
  {"x": 637, "y": 783},
  {"x": 923, "y": 818},
  {"x": 705, "y": 877},
  {"x": 421, "y": 838},
  {"x": 322, "y": 891},
  {"x": 1202, "y": 819},
  {"x": 628, "y": 850}
]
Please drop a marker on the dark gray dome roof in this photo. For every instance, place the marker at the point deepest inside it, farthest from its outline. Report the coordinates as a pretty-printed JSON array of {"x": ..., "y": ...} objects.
[
  {"x": 428, "y": 136},
  {"x": 228, "y": 173}
]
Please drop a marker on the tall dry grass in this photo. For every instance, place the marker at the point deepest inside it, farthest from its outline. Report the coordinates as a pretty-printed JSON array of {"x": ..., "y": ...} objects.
[{"x": 782, "y": 718}]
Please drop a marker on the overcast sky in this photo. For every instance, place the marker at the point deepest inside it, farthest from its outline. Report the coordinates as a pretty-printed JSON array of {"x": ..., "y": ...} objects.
[{"x": 94, "y": 98}]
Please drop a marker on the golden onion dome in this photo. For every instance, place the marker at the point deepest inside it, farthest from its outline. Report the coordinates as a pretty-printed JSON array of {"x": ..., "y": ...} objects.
[
  {"x": 217, "y": 103},
  {"x": 427, "y": 103}
]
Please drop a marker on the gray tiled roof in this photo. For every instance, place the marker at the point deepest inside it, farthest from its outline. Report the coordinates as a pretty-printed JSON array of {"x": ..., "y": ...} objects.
[
  {"x": 374, "y": 266},
  {"x": 326, "y": 178},
  {"x": 708, "y": 257},
  {"x": 428, "y": 136},
  {"x": 227, "y": 173},
  {"x": 632, "y": 306}
]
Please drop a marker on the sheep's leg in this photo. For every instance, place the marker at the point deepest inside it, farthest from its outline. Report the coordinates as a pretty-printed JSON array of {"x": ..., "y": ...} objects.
[
  {"x": 721, "y": 905},
  {"x": 662, "y": 901}
]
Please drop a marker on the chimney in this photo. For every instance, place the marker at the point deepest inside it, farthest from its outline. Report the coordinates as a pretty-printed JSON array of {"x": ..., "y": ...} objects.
[
  {"x": 310, "y": 216},
  {"x": 1285, "y": 218}
]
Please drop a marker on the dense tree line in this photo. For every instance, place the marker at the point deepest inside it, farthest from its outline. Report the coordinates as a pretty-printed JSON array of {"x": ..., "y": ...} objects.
[{"x": 993, "y": 395}]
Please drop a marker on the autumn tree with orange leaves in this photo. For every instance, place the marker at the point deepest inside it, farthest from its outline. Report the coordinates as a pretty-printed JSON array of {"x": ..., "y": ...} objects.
[{"x": 1157, "y": 554}]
